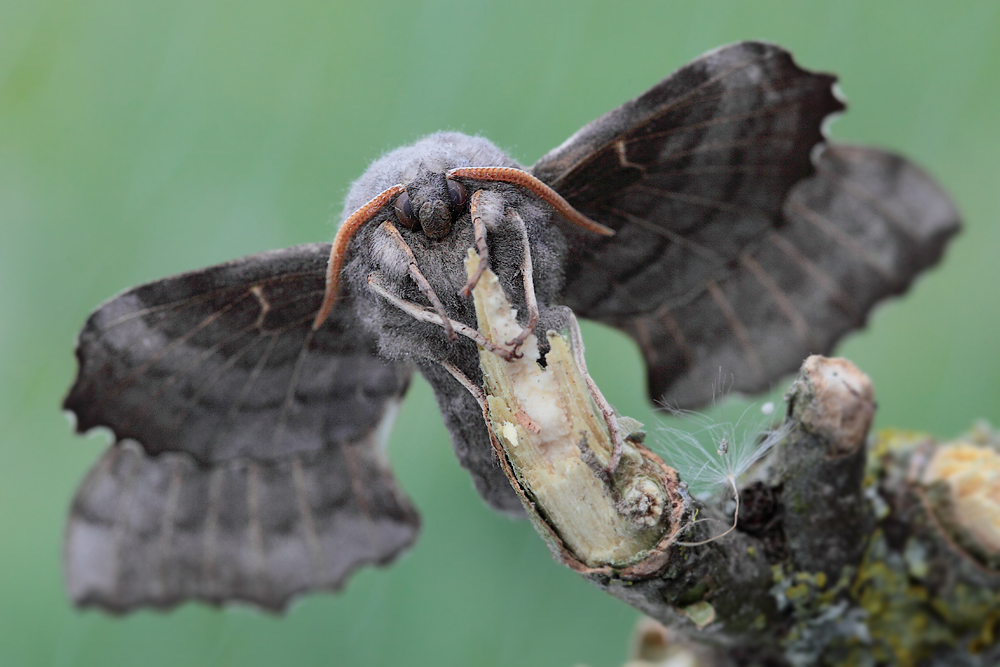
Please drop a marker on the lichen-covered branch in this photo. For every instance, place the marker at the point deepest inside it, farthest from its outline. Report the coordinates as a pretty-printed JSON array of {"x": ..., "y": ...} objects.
[
  {"x": 842, "y": 553},
  {"x": 821, "y": 467}
]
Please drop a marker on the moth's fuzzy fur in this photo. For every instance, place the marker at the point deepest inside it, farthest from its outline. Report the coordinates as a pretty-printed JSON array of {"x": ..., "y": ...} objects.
[{"x": 400, "y": 336}]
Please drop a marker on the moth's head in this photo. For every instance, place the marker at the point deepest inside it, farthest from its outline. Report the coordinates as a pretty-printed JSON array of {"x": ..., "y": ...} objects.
[
  {"x": 431, "y": 203},
  {"x": 434, "y": 154},
  {"x": 421, "y": 185}
]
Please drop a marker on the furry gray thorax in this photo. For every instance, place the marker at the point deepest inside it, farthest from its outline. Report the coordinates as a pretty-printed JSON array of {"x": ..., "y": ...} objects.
[{"x": 441, "y": 260}]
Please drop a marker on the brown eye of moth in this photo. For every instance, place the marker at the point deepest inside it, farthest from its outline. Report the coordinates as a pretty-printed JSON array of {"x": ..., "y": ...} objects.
[
  {"x": 458, "y": 197},
  {"x": 404, "y": 211}
]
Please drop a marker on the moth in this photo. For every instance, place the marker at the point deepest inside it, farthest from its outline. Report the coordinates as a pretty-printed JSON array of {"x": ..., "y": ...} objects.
[{"x": 250, "y": 402}]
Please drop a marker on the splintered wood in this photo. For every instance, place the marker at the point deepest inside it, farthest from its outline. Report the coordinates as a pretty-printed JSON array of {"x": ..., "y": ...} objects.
[{"x": 558, "y": 442}]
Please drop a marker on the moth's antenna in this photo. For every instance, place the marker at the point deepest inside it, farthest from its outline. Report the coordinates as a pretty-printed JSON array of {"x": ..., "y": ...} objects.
[
  {"x": 339, "y": 249},
  {"x": 536, "y": 187}
]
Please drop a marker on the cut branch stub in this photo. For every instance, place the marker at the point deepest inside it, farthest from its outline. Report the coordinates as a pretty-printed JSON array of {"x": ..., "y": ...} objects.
[
  {"x": 822, "y": 466},
  {"x": 619, "y": 531},
  {"x": 558, "y": 443},
  {"x": 833, "y": 399}
]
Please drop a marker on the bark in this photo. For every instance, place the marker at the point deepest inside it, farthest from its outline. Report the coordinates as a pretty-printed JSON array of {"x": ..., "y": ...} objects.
[
  {"x": 924, "y": 590},
  {"x": 880, "y": 551},
  {"x": 845, "y": 552}
]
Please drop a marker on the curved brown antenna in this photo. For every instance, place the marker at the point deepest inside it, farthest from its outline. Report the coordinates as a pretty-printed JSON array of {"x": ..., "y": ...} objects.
[
  {"x": 536, "y": 187},
  {"x": 339, "y": 249}
]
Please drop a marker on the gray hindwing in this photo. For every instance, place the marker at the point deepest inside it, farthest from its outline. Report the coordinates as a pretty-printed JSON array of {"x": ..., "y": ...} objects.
[
  {"x": 714, "y": 263},
  {"x": 249, "y": 460}
]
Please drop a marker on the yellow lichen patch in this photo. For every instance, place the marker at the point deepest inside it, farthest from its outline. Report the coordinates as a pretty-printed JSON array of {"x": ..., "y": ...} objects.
[
  {"x": 797, "y": 592},
  {"x": 886, "y": 444},
  {"x": 804, "y": 591},
  {"x": 971, "y": 474},
  {"x": 903, "y": 628},
  {"x": 987, "y": 635},
  {"x": 890, "y": 440}
]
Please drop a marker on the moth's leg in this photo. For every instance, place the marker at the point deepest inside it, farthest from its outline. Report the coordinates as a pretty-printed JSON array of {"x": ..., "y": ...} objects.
[
  {"x": 483, "y": 250},
  {"x": 423, "y": 314},
  {"x": 480, "y": 396},
  {"x": 418, "y": 277},
  {"x": 576, "y": 343},
  {"x": 529, "y": 285},
  {"x": 463, "y": 379}
]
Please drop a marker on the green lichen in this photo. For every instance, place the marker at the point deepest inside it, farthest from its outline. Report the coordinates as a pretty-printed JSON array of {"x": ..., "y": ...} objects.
[
  {"x": 908, "y": 620},
  {"x": 967, "y": 607},
  {"x": 987, "y": 636},
  {"x": 886, "y": 444},
  {"x": 825, "y": 625}
]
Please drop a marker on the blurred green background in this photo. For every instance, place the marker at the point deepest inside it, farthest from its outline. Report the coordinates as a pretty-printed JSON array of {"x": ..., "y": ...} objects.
[{"x": 139, "y": 139}]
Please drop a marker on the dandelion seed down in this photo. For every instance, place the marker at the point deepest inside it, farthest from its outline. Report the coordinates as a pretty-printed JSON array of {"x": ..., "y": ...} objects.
[{"x": 711, "y": 455}]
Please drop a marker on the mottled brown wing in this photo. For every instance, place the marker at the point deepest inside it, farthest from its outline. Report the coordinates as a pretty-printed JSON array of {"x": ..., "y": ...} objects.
[
  {"x": 687, "y": 174},
  {"x": 249, "y": 461},
  {"x": 858, "y": 231},
  {"x": 705, "y": 271}
]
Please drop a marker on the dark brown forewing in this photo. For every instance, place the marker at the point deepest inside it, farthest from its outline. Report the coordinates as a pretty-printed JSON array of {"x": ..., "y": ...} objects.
[
  {"x": 157, "y": 531},
  {"x": 223, "y": 363},
  {"x": 687, "y": 174},
  {"x": 258, "y": 444},
  {"x": 859, "y": 230}
]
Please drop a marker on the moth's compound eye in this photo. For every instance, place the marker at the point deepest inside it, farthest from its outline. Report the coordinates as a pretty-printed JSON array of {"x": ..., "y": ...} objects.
[
  {"x": 458, "y": 197},
  {"x": 404, "y": 211}
]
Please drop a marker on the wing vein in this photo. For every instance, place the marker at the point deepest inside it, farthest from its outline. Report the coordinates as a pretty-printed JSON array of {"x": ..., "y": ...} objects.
[
  {"x": 673, "y": 328},
  {"x": 667, "y": 233},
  {"x": 782, "y": 300},
  {"x": 210, "y": 540},
  {"x": 293, "y": 383},
  {"x": 702, "y": 201},
  {"x": 757, "y": 112},
  {"x": 873, "y": 201},
  {"x": 666, "y": 108},
  {"x": 811, "y": 269},
  {"x": 308, "y": 523},
  {"x": 843, "y": 239},
  {"x": 254, "y": 529},
  {"x": 168, "y": 522},
  {"x": 205, "y": 296},
  {"x": 739, "y": 331}
]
